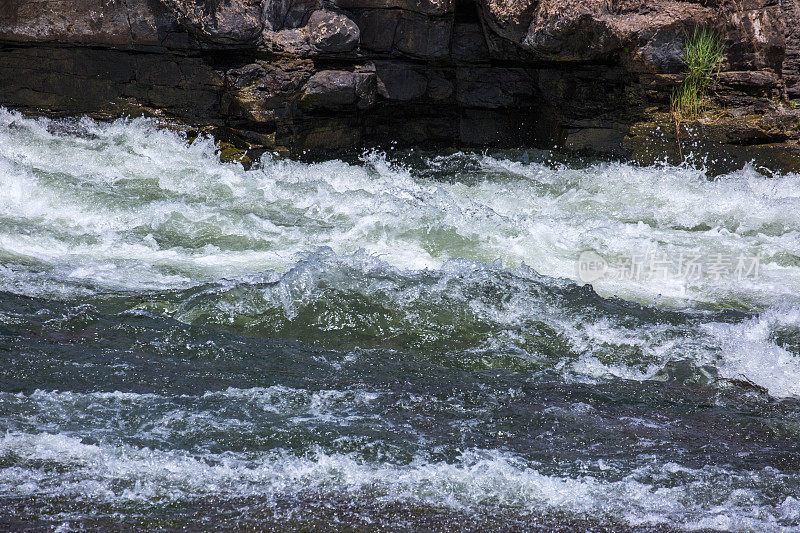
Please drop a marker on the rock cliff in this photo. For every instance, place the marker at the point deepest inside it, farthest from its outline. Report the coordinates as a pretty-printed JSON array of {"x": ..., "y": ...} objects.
[{"x": 328, "y": 75}]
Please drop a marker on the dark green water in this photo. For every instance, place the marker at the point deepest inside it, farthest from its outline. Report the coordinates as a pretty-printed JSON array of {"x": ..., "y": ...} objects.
[{"x": 398, "y": 343}]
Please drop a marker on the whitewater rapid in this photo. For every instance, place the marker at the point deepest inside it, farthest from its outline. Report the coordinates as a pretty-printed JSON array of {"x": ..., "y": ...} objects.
[
  {"x": 92, "y": 206},
  {"x": 405, "y": 329}
]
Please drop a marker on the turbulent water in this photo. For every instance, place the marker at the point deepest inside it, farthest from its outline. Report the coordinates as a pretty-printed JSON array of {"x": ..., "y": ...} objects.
[{"x": 392, "y": 342}]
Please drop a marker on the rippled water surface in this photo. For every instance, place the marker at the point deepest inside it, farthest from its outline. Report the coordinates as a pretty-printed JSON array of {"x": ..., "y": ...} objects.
[{"x": 394, "y": 342}]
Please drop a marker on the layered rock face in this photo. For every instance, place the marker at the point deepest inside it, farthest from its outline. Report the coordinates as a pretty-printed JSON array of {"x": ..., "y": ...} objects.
[{"x": 326, "y": 75}]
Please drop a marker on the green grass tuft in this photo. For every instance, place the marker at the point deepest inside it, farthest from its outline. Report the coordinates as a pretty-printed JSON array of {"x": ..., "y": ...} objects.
[{"x": 703, "y": 57}]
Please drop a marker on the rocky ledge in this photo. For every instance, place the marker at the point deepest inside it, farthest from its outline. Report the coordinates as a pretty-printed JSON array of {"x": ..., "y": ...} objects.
[{"x": 331, "y": 75}]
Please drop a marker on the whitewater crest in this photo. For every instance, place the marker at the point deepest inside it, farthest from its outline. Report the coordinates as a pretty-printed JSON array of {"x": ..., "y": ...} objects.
[{"x": 97, "y": 207}]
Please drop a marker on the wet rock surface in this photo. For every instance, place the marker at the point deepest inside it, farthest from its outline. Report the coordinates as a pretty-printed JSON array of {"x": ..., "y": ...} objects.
[{"x": 328, "y": 76}]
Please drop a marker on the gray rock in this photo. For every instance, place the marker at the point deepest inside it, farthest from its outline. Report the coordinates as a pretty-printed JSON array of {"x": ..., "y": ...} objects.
[
  {"x": 378, "y": 28},
  {"x": 439, "y": 87},
  {"x": 405, "y": 32},
  {"x": 292, "y": 42},
  {"x": 332, "y": 32},
  {"x": 400, "y": 81},
  {"x": 426, "y": 7},
  {"x": 424, "y": 37},
  {"x": 686, "y": 372},
  {"x": 366, "y": 89},
  {"x": 337, "y": 89},
  {"x": 223, "y": 22},
  {"x": 493, "y": 88},
  {"x": 663, "y": 52},
  {"x": 588, "y": 73},
  {"x": 264, "y": 91},
  {"x": 288, "y": 14},
  {"x": 469, "y": 44},
  {"x": 130, "y": 24}
]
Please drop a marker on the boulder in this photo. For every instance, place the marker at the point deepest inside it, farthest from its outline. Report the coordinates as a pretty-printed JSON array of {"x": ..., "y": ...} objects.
[
  {"x": 790, "y": 68},
  {"x": 331, "y": 32},
  {"x": 400, "y": 81},
  {"x": 589, "y": 30},
  {"x": 221, "y": 22},
  {"x": 288, "y": 14},
  {"x": 288, "y": 43},
  {"x": 378, "y": 28},
  {"x": 439, "y": 86},
  {"x": 422, "y": 36},
  {"x": 510, "y": 19},
  {"x": 264, "y": 91},
  {"x": 337, "y": 89}
]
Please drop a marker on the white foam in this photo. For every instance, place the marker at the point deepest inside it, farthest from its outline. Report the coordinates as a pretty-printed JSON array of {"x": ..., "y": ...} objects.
[
  {"x": 125, "y": 206},
  {"x": 477, "y": 480},
  {"x": 749, "y": 351}
]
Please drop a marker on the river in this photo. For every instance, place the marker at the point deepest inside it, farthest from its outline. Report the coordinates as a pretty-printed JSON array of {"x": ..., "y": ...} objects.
[{"x": 490, "y": 340}]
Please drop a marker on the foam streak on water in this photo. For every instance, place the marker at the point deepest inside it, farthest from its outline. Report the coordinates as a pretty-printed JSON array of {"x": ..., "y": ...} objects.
[{"x": 397, "y": 341}]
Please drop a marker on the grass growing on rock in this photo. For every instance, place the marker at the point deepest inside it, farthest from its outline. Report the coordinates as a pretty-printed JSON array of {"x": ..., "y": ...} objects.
[{"x": 703, "y": 57}]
